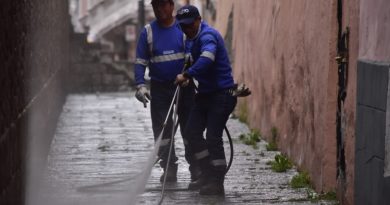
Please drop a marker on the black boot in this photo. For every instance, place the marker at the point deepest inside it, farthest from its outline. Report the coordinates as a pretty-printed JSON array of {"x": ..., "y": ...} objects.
[
  {"x": 213, "y": 188},
  {"x": 171, "y": 174},
  {"x": 195, "y": 172},
  {"x": 203, "y": 166},
  {"x": 197, "y": 184},
  {"x": 214, "y": 185}
]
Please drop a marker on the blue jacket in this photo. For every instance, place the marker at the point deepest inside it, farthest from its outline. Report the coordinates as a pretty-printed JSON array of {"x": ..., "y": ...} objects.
[
  {"x": 162, "y": 50},
  {"x": 211, "y": 66}
]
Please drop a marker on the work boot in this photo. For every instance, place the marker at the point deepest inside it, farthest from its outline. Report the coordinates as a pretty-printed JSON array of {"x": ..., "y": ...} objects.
[
  {"x": 195, "y": 172},
  {"x": 197, "y": 184},
  {"x": 213, "y": 188},
  {"x": 171, "y": 174}
]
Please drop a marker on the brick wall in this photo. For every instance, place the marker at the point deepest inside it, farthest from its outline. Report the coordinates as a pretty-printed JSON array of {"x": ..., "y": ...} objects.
[{"x": 34, "y": 63}]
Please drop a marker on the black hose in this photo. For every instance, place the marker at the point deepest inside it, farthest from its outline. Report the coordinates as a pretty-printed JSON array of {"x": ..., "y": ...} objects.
[
  {"x": 231, "y": 149},
  {"x": 173, "y": 134},
  {"x": 230, "y": 144},
  {"x": 227, "y": 134}
]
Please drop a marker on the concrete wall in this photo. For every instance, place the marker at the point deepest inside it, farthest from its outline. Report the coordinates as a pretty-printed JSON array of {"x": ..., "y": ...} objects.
[
  {"x": 34, "y": 59},
  {"x": 372, "y": 179},
  {"x": 371, "y": 186}
]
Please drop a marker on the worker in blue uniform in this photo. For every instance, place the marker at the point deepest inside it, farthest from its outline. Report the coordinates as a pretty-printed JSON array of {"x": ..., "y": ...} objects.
[
  {"x": 161, "y": 49},
  {"x": 214, "y": 101}
]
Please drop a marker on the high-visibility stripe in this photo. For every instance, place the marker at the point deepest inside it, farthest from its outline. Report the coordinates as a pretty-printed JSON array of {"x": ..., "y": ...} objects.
[
  {"x": 141, "y": 61},
  {"x": 165, "y": 142},
  {"x": 202, "y": 154},
  {"x": 208, "y": 54},
  {"x": 149, "y": 33},
  {"x": 218, "y": 162},
  {"x": 166, "y": 58}
]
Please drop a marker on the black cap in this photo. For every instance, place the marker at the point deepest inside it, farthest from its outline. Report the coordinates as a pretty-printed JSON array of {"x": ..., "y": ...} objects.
[
  {"x": 160, "y": 1},
  {"x": 187, "y": 14}
]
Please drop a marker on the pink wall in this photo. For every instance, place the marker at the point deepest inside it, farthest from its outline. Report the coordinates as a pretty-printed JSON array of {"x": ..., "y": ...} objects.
[
  {"x": 285, "y": 51},
  {"x": 374, "y": 30}
]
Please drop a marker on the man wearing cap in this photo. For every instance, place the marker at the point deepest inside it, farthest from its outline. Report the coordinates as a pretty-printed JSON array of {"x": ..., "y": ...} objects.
[
  {"x": 214, "y": 101},
  {"x": 161, "y": 48}
]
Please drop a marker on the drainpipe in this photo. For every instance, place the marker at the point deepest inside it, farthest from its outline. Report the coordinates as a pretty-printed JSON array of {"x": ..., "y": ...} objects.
[{"x": 342, "y": 61}]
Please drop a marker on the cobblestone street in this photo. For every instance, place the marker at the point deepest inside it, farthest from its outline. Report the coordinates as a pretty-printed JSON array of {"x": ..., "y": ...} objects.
[{"x": 103, "y": 141}]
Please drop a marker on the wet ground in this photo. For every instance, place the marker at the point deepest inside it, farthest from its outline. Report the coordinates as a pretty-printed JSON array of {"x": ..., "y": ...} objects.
[{"x": 101, "y": 148}]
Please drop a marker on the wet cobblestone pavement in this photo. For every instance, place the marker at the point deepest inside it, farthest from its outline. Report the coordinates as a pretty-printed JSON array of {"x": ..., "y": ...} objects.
[{"x": 103, "y": 141}]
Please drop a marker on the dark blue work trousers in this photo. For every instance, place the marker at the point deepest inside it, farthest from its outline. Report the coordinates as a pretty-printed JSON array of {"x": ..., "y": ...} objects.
[
  {"x": 162, "y": 95},
  {"x": 210, "y": 112}
]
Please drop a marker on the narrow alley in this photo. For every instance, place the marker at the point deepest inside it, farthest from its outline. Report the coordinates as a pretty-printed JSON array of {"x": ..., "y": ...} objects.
[
  {"x": 303, "y": 85},
  {"x": 103, "y": 141}
]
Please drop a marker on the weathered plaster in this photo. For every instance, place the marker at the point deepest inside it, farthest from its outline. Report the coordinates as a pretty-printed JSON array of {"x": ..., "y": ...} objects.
[
  {"x": 284, "y": 51},
  {"x": 374, "y": 30}
]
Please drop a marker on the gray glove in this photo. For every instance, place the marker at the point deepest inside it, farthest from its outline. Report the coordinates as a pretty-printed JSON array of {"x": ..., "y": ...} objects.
[{"x": 142, "y": 94}]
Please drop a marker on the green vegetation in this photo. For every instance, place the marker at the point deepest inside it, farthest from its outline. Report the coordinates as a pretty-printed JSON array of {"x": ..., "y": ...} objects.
[
  {"x": 281, "y": 163},
  {"x": 300, "y": 180},
  {"x": 243, "y": 112},
  {"x": 328, "y": 196},
  {"x": 312, "y": 195},
  {"x": 272, "y": 146},
  {"x": 251, "y": 138}
]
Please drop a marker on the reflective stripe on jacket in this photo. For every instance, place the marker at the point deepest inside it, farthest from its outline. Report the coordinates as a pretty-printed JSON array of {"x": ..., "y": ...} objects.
[
  {"x": 162, "y": 50},
  {"x": 211, "y": 66}
]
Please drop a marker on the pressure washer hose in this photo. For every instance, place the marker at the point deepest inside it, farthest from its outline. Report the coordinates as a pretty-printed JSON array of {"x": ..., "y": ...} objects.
[{"x": 176, "y": 98}]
